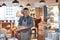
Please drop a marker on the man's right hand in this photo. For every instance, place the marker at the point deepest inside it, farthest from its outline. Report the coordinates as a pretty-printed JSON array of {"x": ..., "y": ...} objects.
[{"x": 21, "y": 27}]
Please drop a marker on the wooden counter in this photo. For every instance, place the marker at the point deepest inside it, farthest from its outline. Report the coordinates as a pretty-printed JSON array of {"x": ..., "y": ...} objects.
[{"x": 41, "y": 29}]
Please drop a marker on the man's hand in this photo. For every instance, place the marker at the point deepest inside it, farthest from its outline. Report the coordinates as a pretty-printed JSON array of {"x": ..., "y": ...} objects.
[{"x": 22, "y": 27}]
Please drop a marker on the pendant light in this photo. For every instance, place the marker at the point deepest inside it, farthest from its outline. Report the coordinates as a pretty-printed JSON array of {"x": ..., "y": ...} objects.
[
  {"x": 28, "y": 4},
  {"x": 3, "y": 4},
  {"x": 15, "y": 1},
  {"x": 21, "y": 5},
  {"x": 42, "y": 1},
  {"x": 0, "y": 5},
  {"x": 56, "y": 1}
]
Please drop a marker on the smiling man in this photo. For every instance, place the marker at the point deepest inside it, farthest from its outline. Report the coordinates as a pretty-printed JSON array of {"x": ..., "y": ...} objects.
[{"x": 25, "y": 24}]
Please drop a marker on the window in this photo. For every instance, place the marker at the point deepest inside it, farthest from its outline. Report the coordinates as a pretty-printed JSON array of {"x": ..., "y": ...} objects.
[{"x": 9, "y": 12}]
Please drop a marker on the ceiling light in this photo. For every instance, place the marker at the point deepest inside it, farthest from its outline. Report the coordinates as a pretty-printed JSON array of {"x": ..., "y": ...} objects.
[
  {"x": 28, "y": 4},
  {"x": 3, "y": 4},
  {"x": 15, "y": 1},
  {"x": 56, "y": 0},
  {"x": 42, "y": 1},
  {"x": 0, "y": 5},
  {"x": 21, "y": 5}
]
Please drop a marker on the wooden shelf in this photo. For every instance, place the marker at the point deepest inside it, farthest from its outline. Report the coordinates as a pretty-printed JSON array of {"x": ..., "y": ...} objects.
[{"x": 5, "y": 24}]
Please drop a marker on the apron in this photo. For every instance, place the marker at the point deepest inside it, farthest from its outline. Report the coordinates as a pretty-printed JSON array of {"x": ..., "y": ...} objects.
[
  {"x": 25, "y": 35},
  {"x": 24, "y": 22}
]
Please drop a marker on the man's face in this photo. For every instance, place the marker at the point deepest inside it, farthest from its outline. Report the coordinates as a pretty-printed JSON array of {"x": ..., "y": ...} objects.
[{"x": 25, "y": 12}]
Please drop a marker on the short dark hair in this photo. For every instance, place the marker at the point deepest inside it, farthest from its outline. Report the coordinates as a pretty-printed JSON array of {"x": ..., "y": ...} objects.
[{"x": 25, "y": 9}]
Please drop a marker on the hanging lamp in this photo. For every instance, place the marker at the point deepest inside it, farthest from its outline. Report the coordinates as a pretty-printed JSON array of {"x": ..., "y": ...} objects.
[
  {"x": 0, "y": 5},
  {"x": 42, "y": 1},
  {"x": 3, "y": 4},
  {"x": 28, "y": 4},
  {"x": 15, "y": 1},
  {"x": 21, "y": 5},
  {"x": 56, "y": 1}
]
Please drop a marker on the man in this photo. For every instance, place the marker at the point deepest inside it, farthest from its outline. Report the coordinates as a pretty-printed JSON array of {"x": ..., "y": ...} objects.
[{"x": 26, "y": 23}]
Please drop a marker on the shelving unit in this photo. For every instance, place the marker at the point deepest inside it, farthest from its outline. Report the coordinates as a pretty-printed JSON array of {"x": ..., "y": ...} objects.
[{"x": 5, "y": 23}]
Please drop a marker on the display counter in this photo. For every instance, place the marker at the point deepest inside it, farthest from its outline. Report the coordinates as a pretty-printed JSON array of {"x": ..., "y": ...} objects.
[{"x": 41, "y": 29}]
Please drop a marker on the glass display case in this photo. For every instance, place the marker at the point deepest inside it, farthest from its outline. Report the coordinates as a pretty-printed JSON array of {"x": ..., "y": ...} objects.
[{"x": 53, "y": 15}]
